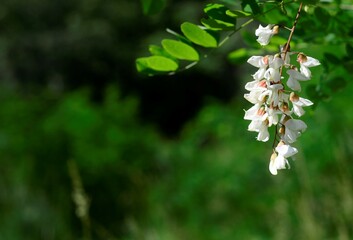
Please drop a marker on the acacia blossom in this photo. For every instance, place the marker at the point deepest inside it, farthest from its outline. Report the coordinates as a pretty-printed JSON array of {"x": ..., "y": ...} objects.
[
  {"x": 264, "y": 34},
  {"x": 273, "y": 105}
]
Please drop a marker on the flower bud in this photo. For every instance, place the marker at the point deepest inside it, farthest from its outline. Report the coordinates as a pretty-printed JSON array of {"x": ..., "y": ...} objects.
[
  {"x": 284, "y": 107},
  {"x": 286, "y": 118},
  {"x": 301, "y": 58},
  {"x": 281, "y": 143},
  {"x": 293, "y": 97},
  {"x": 275, "y": 29},
  {"x": 273, "y": 156},
  {"x": 277, "y": 55},
  {"x": 266, "y": 122}
]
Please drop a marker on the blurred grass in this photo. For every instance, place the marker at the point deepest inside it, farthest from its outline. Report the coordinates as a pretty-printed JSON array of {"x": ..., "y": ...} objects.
[{"x": 210, "y": 183}]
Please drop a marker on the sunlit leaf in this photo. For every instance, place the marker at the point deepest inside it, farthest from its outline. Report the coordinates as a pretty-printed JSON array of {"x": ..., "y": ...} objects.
[
  {"x": 218, "y": 12},
  {"x": 179, "y": 36},
  {"x": 238, "y": 14},
  {"x": 180, "y": 50},
  {"x": 156, "y": 63},
  {"x": 159, "y": 51},
  {"x": 198, "y": 36},
  {"x": 251, "y": 6},
  {"x": 217, "y": 25}
]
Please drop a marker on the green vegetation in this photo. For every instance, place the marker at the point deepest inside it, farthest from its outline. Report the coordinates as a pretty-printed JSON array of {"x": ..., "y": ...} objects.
[{"x": 79, "y": 126}]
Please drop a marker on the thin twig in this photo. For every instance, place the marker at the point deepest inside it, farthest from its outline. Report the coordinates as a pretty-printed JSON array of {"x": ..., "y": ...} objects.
[
  {"x": 286, "y": 50},
  {"x": 80, "y": 199}
]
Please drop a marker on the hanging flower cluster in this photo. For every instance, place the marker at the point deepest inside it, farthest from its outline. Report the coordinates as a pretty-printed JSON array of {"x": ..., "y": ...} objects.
[{"x": 274, "y": 103}]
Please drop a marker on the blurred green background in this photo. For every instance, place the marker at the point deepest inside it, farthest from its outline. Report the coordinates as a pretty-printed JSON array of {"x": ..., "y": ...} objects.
[{"x": 89, "y": 149}]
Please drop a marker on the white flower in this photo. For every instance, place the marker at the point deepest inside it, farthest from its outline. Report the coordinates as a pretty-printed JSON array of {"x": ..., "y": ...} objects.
[
  {"x": 262, "y": 128},
  {"x": 299, "y": 103},
  {"x": 264, "y": 34},
  {"x": 255, "y": 95},
  {"x": 272, "y": 75},
  {"x": 294, "y": 77},
  {"x": 272, "y": 116},
  {"x": 250, "y": 86},
  {"x": 260, "y": 62},
  {"x": 280, "y": 161},
  {"x": 256, "y": 112},
  {"x": 274, "y": 91},
  {"x": 305, "y": 63},
  {"x": 293, "y": 129},
  {"x": 276, "y": 62}
]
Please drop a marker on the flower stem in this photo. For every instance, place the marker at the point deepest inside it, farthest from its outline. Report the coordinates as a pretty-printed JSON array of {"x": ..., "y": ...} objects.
[
  {"x": 286, "y": 50},
  {"x": 287, "y": 46}
]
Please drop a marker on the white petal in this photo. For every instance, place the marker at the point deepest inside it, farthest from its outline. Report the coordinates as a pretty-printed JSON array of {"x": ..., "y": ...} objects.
[
  {"x": 311, "y": 62},
  {"x": 255, "y": 61},
  {"x": 263, "y": 134},
  {"x": 297, "y": 75},
  {"x": 286, "y": 150},
  {"x": 280, "y": 162},
  {"x": 264, "y": 34},
  {"x": 272, "y": 167},
  {"x": 304, "y": 102},
  {"x": 272, "y": 75},
  {"x": 296, "y": 124},
  {"x": 259, "y": 75},
  {"x": 298, "y": 110},
  {"x": 251, "y": 98},
  {"x": 251, "y": 114},
  {"x": 277, "y": 63},
  {"x": 254, "y": 126},
  {"x": 305, "y": 71},
  {"x": 293, "y": 84},
  {"x": 290, "y": 135},
  {"x": 251, "y": 85}
]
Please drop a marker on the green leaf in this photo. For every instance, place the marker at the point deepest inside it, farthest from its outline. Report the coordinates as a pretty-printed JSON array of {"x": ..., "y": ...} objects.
[
  {"x": 180, "y": 50},
  {"x": 217, "y": 25},
  {"x": 251, "y": 5},
  {"x": 159, "y": 51},
  {"x": 179, "y": 36},
  {"x": 277, "y": 16},
  {"x": 198, "y": 36},
  {"x": 238, "y": 14},
  {"x": 155, "y": 63},
  {"x": 238, "y": 56},
  {"x": 218, "y": 12},
  {"x": 151, "y": 7}
]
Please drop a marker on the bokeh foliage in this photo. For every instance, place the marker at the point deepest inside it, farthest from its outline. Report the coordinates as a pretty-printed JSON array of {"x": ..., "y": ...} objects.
[{"x": 69, "y": 93}]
